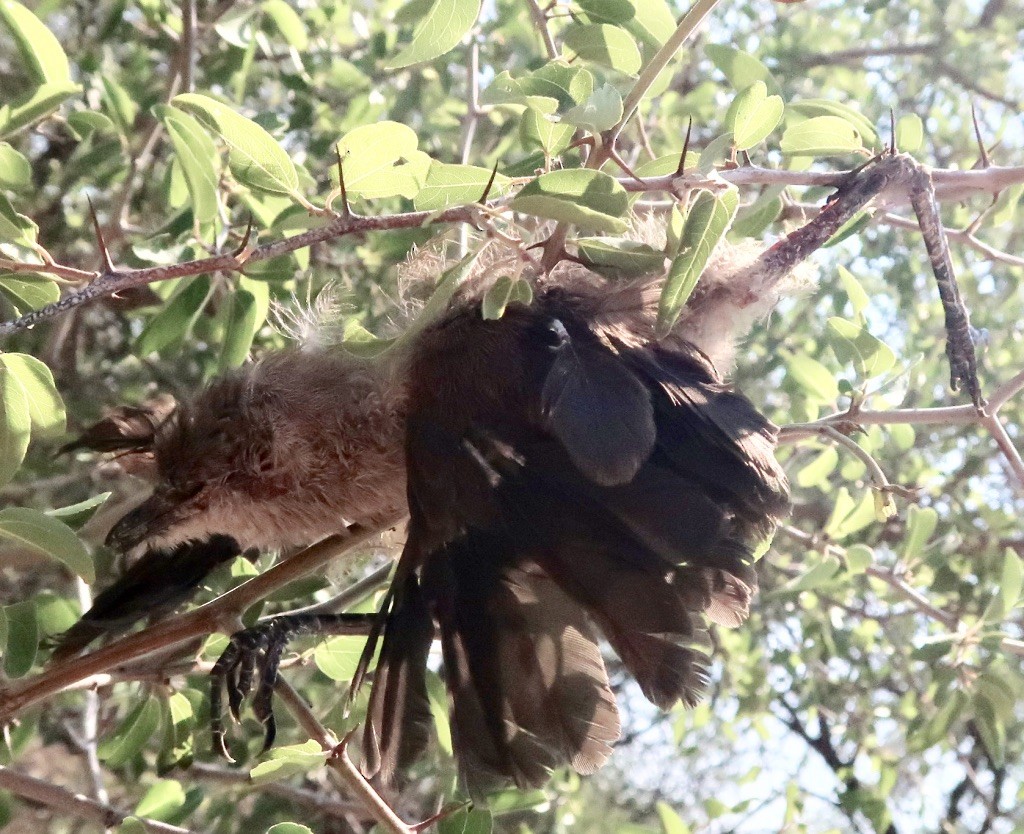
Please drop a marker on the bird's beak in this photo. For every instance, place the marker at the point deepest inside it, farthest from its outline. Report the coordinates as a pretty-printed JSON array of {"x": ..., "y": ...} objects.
[{"x": 150, "y": 518}]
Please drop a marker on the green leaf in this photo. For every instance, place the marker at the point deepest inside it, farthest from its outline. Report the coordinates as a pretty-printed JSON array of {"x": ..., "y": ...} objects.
[
  {"x": 437, "y": 694},
  {"x": 852, "y": 343},
  {"x": 921, "y": 524},
  {"x": 1011, "y": 580},
  {"x": 854, "y": 291},
  {"x": 815, "y": 473},
  {"x": 170, "y": 325},
  {"x": 713, "y": 153},
  {"x": 909, "y": 133},
  {"x": 15, "y": 425},
  {"x": 825, "y": 107},
  {"x": 820, "y": 574},
  {"x": 504, "y": 89},
  {"x": 120, "y": 103},
  {"x": 161, "y": 800},
  {"x": 197, "y": 156},
  {"x": 35, "y": 105},
  {"x": 289, "y": 828},
  {"x": 178, "y": 748},
  {"x": 75, "y": 515},
  {"x": 50, "y": 536},
  {"x": 453, "y": 185},
  {"x": 601, "y": 111},
  {"x": 590, "y": 199},
  {"x": 22, "y": 638},
  {"x": 381, "y": 160},
  {"x": 14, "y": 227},
  {"x": 755, "y": 115},
  {"x": 741, "y": 68},
  {"x": 671, "y": 822},
  {"x": 603, "y": 44},
  {"x": 338, "y": 657},
  {"x": 287, "y": 22},
  {"x": 255, "y": 157},
  {"x": 467, "y": 821},
  {"x": 41, "y": 52},
  {"x": 619, "y": 255},
  {"x": 131, "y": 825},
  {"x": 538, "y": 131},
  {"x": 813, "y": 378},
  {"x": 248, "y": 310},
  {"x": 29, "y": 292},
  {"x": 127, "y": 741},
  {"x": 706, "y": 224},
  {"x": 608, "y": 11},
  {"x": 440, "y": 30},
  {"x": 859, "y": 557},
  {"x": 821, "y": 136},
  {"x": 567, "y": 85},
  {"x": 288, "y": 761},
  {"x": 652, "y": 22},
  {"x": 15, "y": 170},
  {"x": 45, "y": 407},
  {"x": 991, "y": 727}
]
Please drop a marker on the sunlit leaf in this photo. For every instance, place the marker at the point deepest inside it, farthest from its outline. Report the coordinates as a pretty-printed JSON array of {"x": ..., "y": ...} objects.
[
  {"x": 440, "y": 30},
  {"x": 41, "y": 52},
  {"x": 821, "y": 136},
  {"x": 255, "y": 157},
  {"x": 603, "y": 44},
  {"x": 706, "y": 223},
  {"x": 590, "y": 199},
  {"x": 45, "y": 407}
]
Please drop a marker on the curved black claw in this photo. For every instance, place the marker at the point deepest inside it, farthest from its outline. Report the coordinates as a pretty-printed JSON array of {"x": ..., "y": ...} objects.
[
  {"x": 252, "y": 661},
  {"x": 253, "y": 654}
]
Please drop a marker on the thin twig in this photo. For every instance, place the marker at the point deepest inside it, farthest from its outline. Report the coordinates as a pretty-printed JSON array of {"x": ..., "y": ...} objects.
[{"x": 64, "y": 801}]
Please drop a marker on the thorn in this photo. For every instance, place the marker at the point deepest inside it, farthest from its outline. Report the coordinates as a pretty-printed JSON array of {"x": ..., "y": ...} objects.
[
  {"x": 444, "y": 813},
  {"x": 220, "y": 748},
  {"x": 982, "y": 153},
  {"x": 686, "y": 147},
  {"x": 490, "y": 183},
  {"x": 108, "y": 265},
  {"x": 345, "y": 211},
  {"x": 618, "y": 160},
  {"x": 340, "y": 750},
  {"x": 892, "y": 131},
  {"x": 244, "y": 250}
]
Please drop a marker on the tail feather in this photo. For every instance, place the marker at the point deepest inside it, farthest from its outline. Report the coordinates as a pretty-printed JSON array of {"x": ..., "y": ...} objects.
[
  {"x": 528, "y": 686},
  {"x": 398, "y": 717}
]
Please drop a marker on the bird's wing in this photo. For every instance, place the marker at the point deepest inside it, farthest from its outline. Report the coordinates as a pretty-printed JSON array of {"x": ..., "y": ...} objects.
[{"x": 558, "y": 481}]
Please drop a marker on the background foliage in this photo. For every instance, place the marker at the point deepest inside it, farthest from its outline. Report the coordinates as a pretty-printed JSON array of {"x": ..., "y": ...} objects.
[{"x": 877, "y": 686}]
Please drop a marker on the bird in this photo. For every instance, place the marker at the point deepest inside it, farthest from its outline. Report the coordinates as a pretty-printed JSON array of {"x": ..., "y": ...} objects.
[{"x": 571, "y": 475}]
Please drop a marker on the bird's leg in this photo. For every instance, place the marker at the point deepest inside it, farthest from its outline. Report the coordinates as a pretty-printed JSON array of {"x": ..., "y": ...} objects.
[
  {"x": 888, "y": 170},
  {"x": 256, "y": 653}
]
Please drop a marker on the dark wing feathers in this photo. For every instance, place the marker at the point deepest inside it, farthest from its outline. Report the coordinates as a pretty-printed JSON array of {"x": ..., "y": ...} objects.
[
  {"x": 598, "y": 409},
  {"x": 159, "y": 581},
  {"x": 577, "y": 483}
]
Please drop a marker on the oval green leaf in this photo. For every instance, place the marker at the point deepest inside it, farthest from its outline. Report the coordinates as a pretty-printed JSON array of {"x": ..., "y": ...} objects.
[
  {"x": 41, "y": 52},
  {"x": 590, "y": 199},
  {"x": 821, "y": 136},
  {"x": 22, "y": 638},
  {"x": 45, "y": 407},
  {"x": 706, "y": 224},
  {"x": 444, "y": 25},
  {"x": 48, "y": 535},
  {"x": 255, "y": 157},
  {"x": 755, "y": 115},
  {"x": 197, "y": 156},
  {"x": 15, "y": 425},
  {"x": 453, "y": 185},
  {"x": 603, "y": 44}
]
